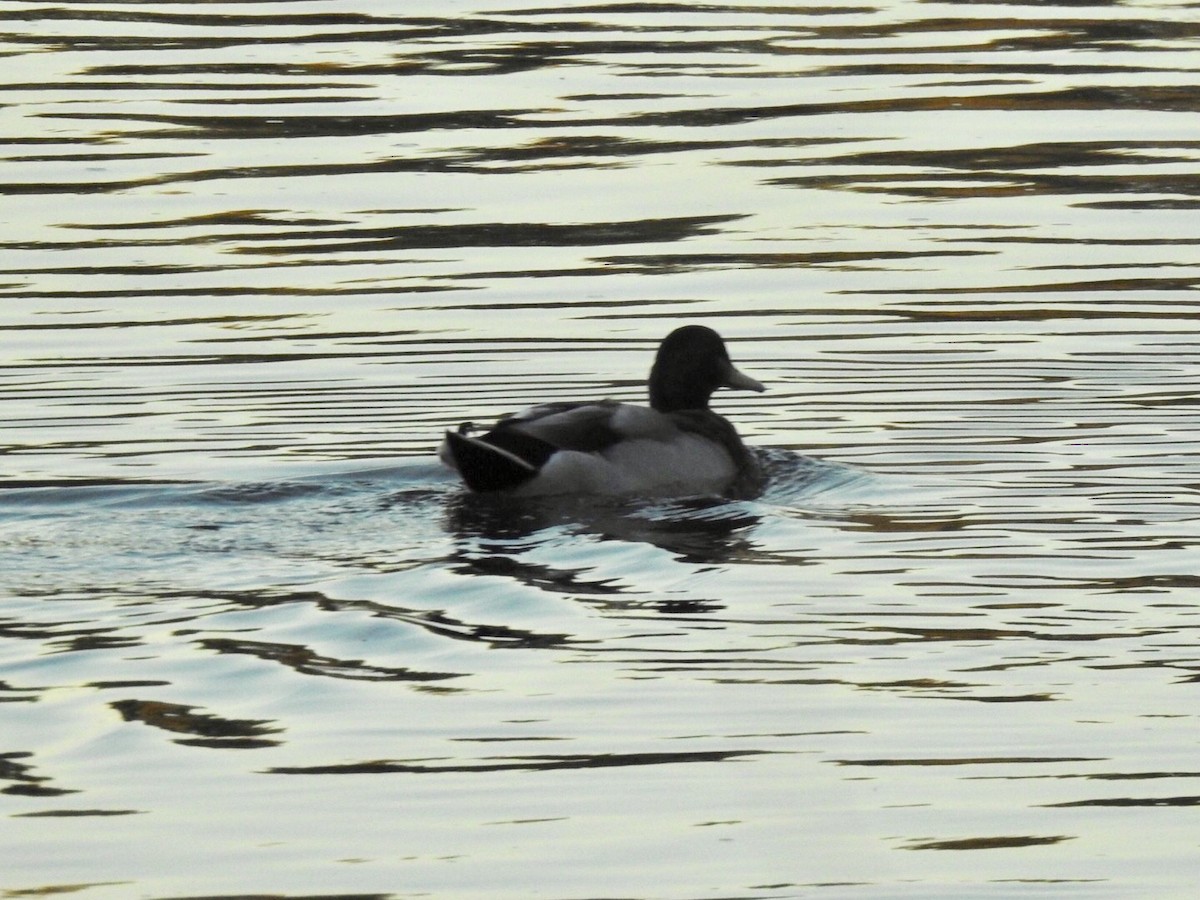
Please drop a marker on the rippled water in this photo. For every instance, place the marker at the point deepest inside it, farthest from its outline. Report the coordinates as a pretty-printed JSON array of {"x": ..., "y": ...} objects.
[{"x": 256, "y": 257}]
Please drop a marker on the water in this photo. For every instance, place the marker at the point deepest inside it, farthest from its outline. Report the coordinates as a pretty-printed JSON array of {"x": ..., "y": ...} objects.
[{"x": 254, "y": 641}]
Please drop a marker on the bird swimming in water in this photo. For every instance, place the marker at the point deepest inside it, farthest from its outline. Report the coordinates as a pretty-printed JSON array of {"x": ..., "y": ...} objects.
[{"x": 677, "y": 446}]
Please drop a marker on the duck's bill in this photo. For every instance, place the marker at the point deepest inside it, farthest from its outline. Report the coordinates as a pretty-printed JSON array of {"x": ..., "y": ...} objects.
[{"x": 742, "y": 382}]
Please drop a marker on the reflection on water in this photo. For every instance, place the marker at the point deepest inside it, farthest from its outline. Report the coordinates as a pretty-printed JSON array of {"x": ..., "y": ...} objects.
[{"x": 257, "y": 259}]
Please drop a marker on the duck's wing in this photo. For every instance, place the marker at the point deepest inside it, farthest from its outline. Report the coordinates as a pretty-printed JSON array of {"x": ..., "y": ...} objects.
[
  {"x": 588, "y": 427},
  {"x": 589, "y": 446},
  {"x": 518, "y": 446}
]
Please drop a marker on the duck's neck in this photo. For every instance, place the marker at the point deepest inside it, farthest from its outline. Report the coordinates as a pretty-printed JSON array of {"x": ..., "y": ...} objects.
[{"x": 676, "y": 397}]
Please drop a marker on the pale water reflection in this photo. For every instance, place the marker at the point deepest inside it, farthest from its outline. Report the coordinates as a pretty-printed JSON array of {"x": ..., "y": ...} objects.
[{"x": 254, "y": 641}]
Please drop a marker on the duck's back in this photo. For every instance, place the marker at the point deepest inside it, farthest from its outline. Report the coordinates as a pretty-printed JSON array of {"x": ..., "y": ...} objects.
[{"x": 590, "y": 427}]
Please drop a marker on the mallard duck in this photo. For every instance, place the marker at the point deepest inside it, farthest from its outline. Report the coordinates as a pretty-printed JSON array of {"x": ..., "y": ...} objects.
[{"x": 675, "y": 447}]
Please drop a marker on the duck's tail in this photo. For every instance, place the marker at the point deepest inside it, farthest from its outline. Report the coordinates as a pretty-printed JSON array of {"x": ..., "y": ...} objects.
[{"x": 498, "y": 461}]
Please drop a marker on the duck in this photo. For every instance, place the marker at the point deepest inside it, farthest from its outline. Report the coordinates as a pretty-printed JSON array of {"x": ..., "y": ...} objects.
[{"x": 677, "y": 446}]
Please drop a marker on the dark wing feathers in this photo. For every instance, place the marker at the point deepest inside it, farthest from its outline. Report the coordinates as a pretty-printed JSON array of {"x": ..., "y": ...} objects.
[
  {"x": 485, "y": 466},
  {"x": 586, "y": 427}
]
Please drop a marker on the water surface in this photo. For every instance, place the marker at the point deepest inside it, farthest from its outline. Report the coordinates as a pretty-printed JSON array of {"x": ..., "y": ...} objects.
[{"x": 254, "y": 641}]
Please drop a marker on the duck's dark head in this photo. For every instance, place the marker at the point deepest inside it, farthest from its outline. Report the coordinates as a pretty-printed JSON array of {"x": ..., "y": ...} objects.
[{"x": 692, "y": 362}]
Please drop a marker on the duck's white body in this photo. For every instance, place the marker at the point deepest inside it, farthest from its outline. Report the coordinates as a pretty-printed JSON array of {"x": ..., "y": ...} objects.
[
  {"x": 653, "y": 455},
  {"x": 676, "y": 447}
]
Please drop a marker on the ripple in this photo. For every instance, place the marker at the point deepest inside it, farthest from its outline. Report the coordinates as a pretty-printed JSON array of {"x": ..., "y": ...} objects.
[{"x": 257, "y": 260}]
